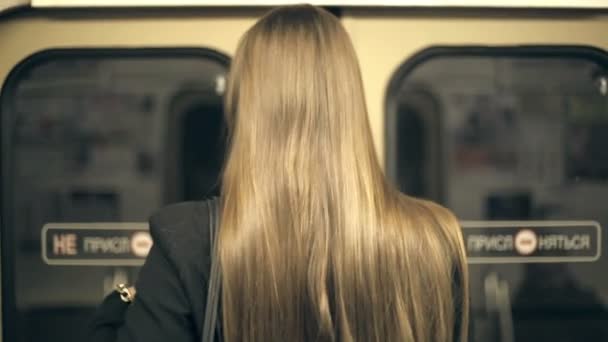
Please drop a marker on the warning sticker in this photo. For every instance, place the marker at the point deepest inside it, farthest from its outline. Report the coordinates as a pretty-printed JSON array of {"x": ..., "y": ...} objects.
[
  {"x": 100, "y": 244},
  {"x": 531, "y": 241}
]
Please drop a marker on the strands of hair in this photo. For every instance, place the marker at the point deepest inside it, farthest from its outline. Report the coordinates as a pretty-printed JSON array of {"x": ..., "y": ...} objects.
[{"x": 314, "y": 244}]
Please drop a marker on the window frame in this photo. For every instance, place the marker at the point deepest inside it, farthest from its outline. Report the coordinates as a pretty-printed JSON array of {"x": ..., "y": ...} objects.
[
  {"x": 391, "y": 100},
  {"x": 7, "y": 119}
]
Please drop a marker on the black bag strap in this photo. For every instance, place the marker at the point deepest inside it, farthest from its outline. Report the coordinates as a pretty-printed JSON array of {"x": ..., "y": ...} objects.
[{"x": 213, "y": 289}]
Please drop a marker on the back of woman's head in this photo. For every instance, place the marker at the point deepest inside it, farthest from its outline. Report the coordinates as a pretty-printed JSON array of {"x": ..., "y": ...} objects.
[{"x": 314, "y": 244}]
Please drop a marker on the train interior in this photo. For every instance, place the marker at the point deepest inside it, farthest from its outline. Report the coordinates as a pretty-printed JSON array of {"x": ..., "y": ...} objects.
[
  {"x": 507, "y": 133},
  {"x": 520, "y": 138}
]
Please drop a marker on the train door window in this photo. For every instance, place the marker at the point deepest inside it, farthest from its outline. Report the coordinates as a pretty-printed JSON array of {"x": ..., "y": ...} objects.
[
  {"x": 97, "y": 136},
  {"x": 512, "y": 134}
]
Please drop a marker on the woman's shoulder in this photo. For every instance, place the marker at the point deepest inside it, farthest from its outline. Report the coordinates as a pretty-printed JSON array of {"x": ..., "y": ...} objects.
[
  {"x": 427, "y": 209},
  {"x": 182, "y": 231},
  {"x": 181, "y": 221}
]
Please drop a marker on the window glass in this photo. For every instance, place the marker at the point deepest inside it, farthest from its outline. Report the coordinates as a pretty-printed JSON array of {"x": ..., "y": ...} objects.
[
  {"x": 512, "y": 134},
  {"x": 99, "y": 136}
]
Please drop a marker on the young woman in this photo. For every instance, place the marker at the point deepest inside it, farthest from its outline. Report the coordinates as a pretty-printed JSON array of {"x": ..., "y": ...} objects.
[{"x": 314, "y": 244}]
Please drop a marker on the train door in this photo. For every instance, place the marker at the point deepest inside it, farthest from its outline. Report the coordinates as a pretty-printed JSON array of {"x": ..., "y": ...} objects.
[
  {"x": 505, "y": 122},
  {"x": 106, "y": 117}
]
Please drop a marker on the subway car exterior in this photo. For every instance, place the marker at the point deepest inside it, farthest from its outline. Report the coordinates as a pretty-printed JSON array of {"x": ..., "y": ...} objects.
[{"x": 497, "y": 109}]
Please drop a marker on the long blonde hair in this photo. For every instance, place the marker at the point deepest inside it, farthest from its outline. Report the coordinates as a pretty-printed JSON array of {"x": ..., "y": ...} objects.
[{"x": 314, "y": 244}]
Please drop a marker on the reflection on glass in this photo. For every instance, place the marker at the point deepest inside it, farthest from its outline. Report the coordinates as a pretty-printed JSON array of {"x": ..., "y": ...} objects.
[
  {"x": 520, "y": 138},
  {"x": 551, "y": 304},
  {"x": 94, "y": 140}
]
